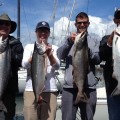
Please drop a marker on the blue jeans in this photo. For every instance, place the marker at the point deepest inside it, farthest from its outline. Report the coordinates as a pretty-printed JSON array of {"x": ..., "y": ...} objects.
[{"x": 113, "y": 107}]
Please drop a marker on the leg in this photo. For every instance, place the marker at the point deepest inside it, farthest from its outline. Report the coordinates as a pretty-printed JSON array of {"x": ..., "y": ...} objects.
[
  {"x": 68, "y": 108},
  {"x": 2, "y": 115},
  {"x": 87, "y": 110},
  {"x": 9, "y": 102},
  {"x": 114, "y": 107},
  {"x": 29, "y": 111},
  {"x": 48, "y": 111}
]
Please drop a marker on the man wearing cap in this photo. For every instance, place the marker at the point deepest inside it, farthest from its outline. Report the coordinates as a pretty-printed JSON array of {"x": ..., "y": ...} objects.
[
  {"x": 7, "y": 26},
  {"x": 105, "y": 49},
  {"x": 46, "y": 111}
]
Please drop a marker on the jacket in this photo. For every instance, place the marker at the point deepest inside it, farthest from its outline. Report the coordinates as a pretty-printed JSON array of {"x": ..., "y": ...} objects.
[
  {"x": 106, "y": 55},
  {"x": 16, "y": 58},
  {"x": 63, "y": 53}
]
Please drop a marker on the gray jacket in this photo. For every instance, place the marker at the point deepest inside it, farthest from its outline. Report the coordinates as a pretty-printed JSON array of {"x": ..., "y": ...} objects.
[{"x": 63, "y": 52}]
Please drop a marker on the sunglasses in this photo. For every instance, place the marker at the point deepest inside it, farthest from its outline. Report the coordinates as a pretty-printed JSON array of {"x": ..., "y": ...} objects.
[
  {"x": 82, "y": 23},
  {"x": 6, "y": 23}
]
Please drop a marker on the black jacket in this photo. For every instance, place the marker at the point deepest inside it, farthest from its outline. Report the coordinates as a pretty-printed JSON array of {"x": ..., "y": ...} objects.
[
  {"x": 16, "y": 59},
  {"x": 106, "y": 55}
]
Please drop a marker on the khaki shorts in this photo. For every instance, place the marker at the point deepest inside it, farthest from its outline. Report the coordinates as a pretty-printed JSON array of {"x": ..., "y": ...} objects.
[{"x": 45, "y": 111}]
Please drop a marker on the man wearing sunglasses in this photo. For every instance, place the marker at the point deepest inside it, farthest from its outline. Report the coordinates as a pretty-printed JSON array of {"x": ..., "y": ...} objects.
[
  {"x": 69, "y": 93},
  {"x": 7, "y": 26},
  {"x": 110, "y": 83}
]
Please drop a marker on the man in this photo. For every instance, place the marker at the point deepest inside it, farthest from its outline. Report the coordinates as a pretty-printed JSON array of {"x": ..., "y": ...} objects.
[
  {"x": 110, "y": 83},
  {"x": 46, "y": 111},
  {"x": 69, "y": 93},
  {"x": 7, "y": 26}
]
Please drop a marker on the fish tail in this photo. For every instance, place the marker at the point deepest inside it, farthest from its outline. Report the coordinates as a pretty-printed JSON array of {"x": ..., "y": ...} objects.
[
  {"x": 39, "y": 102},
  {"x": 115, "y": 92},
  {"x": 81, "y": 97},
  {"x": 2, "y": 107}
]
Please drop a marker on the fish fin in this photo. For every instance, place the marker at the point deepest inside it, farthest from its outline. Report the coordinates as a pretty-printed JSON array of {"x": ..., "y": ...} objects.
[
  {"x": 81, "y": 98},
  {"x": 2, "y": 107},
  {"x": 114, "y": 76},
  {"x": 116, "y": 91}
]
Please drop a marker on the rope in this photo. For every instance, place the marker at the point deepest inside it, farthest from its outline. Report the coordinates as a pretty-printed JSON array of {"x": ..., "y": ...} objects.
[{"x": 70, "y": 17}]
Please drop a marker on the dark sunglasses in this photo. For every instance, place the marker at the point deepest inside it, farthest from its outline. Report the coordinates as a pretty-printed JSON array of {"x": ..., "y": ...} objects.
[
  {"x": 82, "y": 23},
  {"x": 6, "y": 23}
]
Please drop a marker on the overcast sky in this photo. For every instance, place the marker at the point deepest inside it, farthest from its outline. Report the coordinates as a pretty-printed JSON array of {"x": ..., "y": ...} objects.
[{"x": 32, "y": 11}]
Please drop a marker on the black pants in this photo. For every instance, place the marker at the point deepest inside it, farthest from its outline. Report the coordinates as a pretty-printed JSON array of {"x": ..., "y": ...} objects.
[
  {"x": 9, "y": 102},
  {"x": 69, "y": 109}
]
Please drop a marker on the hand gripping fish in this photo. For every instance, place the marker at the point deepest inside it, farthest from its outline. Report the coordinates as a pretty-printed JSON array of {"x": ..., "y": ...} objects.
[
  {"x": 38, "y": 71},
  {"x": 80, "y": 65},
  {"x": 116, "y": 60}
]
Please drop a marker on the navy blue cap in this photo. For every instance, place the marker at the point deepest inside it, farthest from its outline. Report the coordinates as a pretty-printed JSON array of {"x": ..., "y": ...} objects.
[
  {"x": 117, "y": 14},
  {"x": 43, "y": 24}
]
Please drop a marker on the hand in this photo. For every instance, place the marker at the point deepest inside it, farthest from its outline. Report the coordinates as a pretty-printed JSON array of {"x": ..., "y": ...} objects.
[
  {"x": 49, "y": 49},
  {"x": 72, "y": 36},
  {"x": 30, "y": 59},
  {"x": 110, "y": 39}
]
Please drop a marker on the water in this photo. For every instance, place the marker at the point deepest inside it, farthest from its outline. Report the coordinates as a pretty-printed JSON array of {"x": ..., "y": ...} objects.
[{"x": 101, "y": 111}]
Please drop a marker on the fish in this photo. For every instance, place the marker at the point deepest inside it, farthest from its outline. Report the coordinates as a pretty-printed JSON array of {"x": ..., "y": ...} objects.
[
  {"x": 5, "y": 68},
  {"x": 116, "y": 60},
  {"x": 80, "y": 65},
  {"x": 38, "y": 71}
]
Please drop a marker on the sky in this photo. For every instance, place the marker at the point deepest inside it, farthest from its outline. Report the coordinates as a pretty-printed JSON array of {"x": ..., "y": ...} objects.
[{"x": 60, "y": 14}]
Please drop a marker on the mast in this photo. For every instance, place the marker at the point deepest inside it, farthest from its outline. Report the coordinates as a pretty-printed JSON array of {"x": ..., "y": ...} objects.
[
  {"x": 54, "y": 13},
  {"x": 18, "y": 20},
  {"x": 70, "y": 16}
]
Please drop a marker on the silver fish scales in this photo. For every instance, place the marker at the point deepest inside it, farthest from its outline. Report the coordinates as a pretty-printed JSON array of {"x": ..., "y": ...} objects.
[
  {"x": 116, "y": 60},
  {"x": 80, "y": 65},
  {"x": 5, "y": 66},
  {"x": 38, "y": 71}
]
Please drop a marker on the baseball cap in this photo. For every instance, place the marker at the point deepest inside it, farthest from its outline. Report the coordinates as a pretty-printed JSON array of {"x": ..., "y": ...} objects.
[
  {"x": 117, "y": 14},
  {"x": 43, "y": 24}
]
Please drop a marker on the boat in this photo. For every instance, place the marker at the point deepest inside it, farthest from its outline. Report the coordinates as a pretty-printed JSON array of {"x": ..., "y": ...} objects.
[{"x": 101, "y": 92}]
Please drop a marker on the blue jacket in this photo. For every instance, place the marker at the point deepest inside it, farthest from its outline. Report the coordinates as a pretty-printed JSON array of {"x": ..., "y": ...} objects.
[{"x": 94, "y": 59}]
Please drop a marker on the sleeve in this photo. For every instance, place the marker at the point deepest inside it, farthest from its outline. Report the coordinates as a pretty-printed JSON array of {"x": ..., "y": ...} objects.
[
  {"x": 105, "y": 51},
  {"x": 94, "y": 57},
  {"x": 28, "y": 51},
  {"x": 16, "y": 52},
  {"x": 63, "y": 51}
]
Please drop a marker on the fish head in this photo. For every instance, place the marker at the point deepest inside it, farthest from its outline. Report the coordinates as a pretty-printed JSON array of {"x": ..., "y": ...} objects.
[{"x": 80, "y": 39}]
